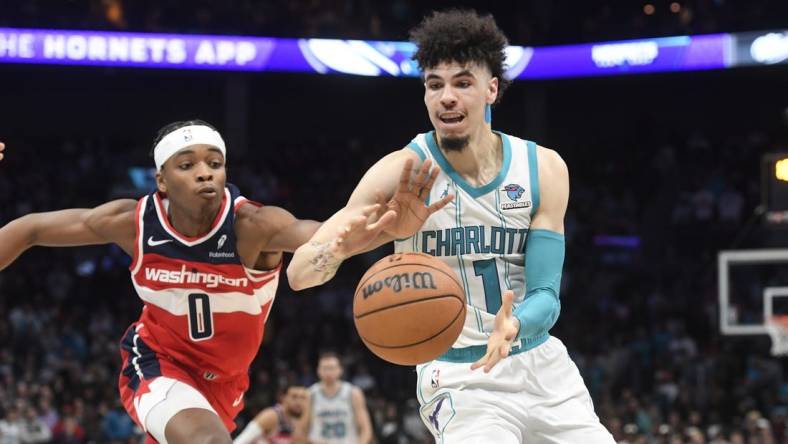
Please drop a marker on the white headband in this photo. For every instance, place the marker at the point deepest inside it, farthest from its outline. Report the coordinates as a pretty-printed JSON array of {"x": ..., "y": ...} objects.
[{"x": 183, "y": 138}]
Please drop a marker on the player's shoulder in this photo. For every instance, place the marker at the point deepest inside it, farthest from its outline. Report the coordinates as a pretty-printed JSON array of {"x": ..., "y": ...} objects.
[
  {"x": 121, "y": 210},
  {"x": 121, "y": 206},
  {"x": 550, "y": 163},
  {"x": 115, "y": 221},
  {"x": 263, "y": 217},
  {"x": 548, "y": 160}
]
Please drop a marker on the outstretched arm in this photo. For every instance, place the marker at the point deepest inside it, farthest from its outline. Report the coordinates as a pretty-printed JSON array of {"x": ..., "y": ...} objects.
[
  {"x": 275, "y": 229},
  {"x": 111, "y": 222},
  {"x": 262, "y": 426},
  {"x": 387, "y": 204}
]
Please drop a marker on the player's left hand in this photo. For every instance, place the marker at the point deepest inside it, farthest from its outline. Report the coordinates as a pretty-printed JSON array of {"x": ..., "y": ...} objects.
[
  {"x": 2, "y": 147},
  {"x": 409, "y": 201},
  {"x": 505, "y": 331}
]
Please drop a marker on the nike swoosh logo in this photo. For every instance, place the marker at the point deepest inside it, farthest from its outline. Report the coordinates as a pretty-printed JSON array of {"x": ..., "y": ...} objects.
[
  {"x": 238, "y": 401},
  {"x": 154, "y": 243}
]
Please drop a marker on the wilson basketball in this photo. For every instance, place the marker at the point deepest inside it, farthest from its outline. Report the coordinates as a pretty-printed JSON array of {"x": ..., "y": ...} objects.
[{"x": 409, "y": 308}]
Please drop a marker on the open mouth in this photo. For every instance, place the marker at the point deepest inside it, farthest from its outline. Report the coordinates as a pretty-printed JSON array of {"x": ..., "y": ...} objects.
[
  {"x": 451, "y": 118},
  {"x": 207, "y": 192}
]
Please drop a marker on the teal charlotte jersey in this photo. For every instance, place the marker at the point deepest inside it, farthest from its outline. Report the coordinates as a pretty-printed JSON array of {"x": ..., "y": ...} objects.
[{"x": 482, "y": 233}]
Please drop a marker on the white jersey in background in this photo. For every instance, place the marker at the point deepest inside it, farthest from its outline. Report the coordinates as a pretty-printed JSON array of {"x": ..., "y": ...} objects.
[{"x": 332, "y": 420}]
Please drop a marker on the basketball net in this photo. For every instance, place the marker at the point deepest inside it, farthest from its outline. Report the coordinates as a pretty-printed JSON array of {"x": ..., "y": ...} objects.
[{"x": 777, "y": 327}]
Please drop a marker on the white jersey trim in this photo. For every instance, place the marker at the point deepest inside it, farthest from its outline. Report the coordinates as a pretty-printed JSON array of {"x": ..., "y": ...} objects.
[
  {"x": 175, "y": 301},
  {"x": 140, "y": 242}
]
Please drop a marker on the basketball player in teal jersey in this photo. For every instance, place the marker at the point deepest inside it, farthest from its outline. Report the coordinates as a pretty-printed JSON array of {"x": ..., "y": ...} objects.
[{"x": 505, "y": 380}]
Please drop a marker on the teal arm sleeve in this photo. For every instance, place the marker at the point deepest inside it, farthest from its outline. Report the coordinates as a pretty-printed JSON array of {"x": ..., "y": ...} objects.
[{"x": 544, "y": 260}]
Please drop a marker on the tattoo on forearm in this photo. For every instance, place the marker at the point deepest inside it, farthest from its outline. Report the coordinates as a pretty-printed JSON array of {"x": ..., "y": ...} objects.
[{"x": 324, "y": 261}]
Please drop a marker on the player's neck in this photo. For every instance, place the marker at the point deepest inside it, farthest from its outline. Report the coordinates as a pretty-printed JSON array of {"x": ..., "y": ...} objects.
[
  {"x": 192, "y": 223},
  {"x": 481, "y": 160},
  {"x": 332, "y": 388}
]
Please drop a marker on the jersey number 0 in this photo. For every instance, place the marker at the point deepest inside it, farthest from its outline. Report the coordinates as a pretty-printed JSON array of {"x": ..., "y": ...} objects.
[{"x": 200, "y": 317}]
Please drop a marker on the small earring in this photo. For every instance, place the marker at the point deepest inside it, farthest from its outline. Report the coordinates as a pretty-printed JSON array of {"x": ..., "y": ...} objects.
[{"x": 488, "y": 113}]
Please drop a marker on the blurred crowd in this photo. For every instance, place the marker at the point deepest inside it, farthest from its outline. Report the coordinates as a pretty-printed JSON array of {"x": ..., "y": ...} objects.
[
  {"x": 533, "y": 22},
  {"x": 639, "y": 296},
  {"x": 638, "y": 312}
]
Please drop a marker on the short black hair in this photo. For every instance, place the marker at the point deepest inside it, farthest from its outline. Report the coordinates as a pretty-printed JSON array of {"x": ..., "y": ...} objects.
[
  {"x": 462, "y": 36},
  {"x": 170, "y": 127},
  {"x": 287, "y": 386}
]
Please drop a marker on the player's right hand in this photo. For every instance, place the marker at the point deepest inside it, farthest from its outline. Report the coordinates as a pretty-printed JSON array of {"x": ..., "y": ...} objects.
[
  {"x": 361, "y": 230},
  {"x": 410, "y": 200},
  {"x": 2, "y": 147}
]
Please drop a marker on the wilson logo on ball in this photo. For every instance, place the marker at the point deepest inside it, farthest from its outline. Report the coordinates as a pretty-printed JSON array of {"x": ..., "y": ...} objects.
[{"x": 415, "y": 280}]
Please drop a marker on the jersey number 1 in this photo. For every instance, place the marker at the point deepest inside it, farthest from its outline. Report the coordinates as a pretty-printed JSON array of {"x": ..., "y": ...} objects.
[
  {"x": 200, "y": 317},
  {"x": 488, "y": 270}
]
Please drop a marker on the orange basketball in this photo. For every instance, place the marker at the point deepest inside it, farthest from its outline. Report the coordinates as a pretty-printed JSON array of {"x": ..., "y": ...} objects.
[{"x": 409, "y": 308}]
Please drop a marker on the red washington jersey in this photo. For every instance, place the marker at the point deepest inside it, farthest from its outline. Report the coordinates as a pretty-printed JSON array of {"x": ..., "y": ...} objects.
[{"x": 202, "y": 307}]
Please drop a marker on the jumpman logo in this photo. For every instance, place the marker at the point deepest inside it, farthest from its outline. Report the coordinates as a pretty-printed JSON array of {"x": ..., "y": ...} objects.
[
  {"x": 446, "y": 192},
  {"x": 434, "y": 417}
]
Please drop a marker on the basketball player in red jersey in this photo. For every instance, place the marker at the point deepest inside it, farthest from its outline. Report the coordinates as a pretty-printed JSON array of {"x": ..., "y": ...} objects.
[
  {"x": 206, "y": 263},
  {"x": 275, "y": 425}
]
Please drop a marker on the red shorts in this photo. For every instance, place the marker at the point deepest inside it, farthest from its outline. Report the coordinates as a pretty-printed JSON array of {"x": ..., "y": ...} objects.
[{"x": 141, "y": 366}]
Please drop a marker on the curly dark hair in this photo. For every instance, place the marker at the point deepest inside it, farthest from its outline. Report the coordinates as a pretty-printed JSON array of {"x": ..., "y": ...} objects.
[{"x": 462, "y": 36}]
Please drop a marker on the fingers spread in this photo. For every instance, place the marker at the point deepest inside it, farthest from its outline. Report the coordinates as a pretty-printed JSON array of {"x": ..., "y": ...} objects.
[
  {"x": 418, "y": 182},
  {"x": 428, "y": 186},
  {"x": 404, "y": 177}
]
